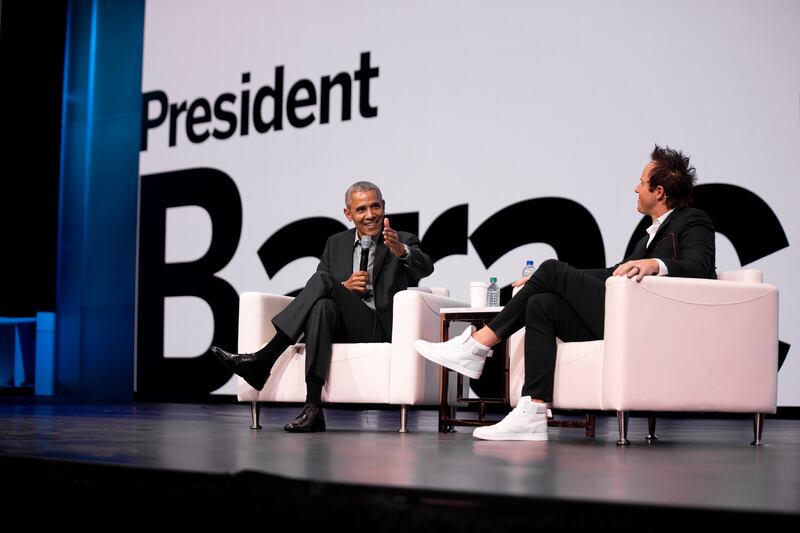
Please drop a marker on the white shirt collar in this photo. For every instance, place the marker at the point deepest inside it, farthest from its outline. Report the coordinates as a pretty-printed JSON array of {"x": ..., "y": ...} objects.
[
  {"x": 653, "y": 229},
  {"x": 357, "y": 239}
]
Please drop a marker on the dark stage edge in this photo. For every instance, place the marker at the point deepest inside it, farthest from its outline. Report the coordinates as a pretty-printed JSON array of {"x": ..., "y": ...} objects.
[{"x": 190, "y": 464}]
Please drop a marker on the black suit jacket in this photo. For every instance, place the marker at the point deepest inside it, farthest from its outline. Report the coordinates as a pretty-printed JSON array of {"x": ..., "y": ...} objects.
[
  {"x": 684, "y": 242},
  {"x": 390, "y": 274}
]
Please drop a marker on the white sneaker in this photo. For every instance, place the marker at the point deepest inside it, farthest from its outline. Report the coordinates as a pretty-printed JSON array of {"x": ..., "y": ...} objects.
[
  {"x": 527, "y": 421},
  {"x": 462, "y": 354}
]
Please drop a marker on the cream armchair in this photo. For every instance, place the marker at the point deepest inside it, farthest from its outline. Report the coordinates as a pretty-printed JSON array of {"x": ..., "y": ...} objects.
[
  {"x": 388, "y": 373},
  {"x": 672, "y": 344}
]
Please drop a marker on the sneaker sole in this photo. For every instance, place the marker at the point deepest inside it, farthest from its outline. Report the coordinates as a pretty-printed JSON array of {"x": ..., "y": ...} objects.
[
  {"x": 447, "y": 364},
  {"x": 514, "y": 436}
]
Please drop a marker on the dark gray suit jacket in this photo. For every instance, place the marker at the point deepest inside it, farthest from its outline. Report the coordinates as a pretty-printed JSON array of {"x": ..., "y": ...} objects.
[{"x": 390, "y": 274}]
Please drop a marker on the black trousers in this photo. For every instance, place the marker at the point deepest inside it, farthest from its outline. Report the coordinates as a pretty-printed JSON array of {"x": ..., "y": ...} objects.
[
  {"x": 327, "y": 312},
  {"x": 557, "y": 301}
]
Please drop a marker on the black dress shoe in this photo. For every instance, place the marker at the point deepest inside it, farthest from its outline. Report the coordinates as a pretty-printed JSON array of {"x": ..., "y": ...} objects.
[
  {"x": 246, "y": 365},
  {"x": 311, "y": 420}
]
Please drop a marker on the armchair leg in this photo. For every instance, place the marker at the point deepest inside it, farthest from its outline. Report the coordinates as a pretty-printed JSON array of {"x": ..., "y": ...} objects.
[
  {"x": 622, "y": 422},
  {"x": 255, "y": 413},
  {"x": 651, "y": 430},
  {"x": 758, "y": 427},
  {"x": 403, "y": 419},
  {"x": 590, "y": 426}
]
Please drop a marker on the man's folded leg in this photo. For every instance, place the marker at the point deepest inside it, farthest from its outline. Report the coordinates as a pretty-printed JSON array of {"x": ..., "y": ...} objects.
[
  {"x": 255, "y": 367},
  {"x": 321, "y": 327},
  {"x": 340, "y": 316}
]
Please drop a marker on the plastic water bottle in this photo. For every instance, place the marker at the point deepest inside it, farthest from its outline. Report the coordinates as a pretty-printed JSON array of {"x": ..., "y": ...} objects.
[
  {"x": 493, "y": 294},
  {"x": 529, "y": 269}
]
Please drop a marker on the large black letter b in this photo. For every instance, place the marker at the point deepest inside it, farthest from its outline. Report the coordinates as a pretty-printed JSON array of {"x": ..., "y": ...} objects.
[{"x": 214, "y": 191}]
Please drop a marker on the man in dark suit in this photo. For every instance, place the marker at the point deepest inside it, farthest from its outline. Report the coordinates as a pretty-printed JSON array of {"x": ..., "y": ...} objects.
[
  {"x": 348, "y": 299},
  {"x": 561, "y": 301}
]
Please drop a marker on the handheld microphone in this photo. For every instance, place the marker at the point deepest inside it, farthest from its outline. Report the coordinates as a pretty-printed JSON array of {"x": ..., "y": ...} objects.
[{"x": 366, "y": 244}]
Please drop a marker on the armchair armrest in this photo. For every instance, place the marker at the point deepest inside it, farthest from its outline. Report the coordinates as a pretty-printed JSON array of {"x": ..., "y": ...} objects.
[
  {"x": 690, "y": 345},
  {"x": 414, "y": 379},
  {"x": 256, "y": 310}
]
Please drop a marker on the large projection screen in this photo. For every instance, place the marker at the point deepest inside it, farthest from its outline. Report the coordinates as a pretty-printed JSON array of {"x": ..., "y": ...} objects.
[{"x": 468, "y": 114}]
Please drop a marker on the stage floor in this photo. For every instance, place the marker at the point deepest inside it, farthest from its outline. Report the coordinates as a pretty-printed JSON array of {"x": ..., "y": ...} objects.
[{"x": 702, "y": 464}]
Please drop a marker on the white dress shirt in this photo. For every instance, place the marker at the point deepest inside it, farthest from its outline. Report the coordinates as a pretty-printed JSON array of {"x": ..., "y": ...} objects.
[{"x": 652, "y": 230}]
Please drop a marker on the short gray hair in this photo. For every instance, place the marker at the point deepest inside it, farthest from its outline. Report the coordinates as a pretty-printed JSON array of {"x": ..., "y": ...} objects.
[{"x": 361, "y": 186}]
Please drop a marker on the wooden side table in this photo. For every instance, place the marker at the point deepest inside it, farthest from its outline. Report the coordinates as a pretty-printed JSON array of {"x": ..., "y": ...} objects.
[{"x": 479, "y": 317}]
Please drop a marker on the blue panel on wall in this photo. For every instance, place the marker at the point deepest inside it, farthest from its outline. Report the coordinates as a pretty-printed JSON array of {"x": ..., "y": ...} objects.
[
  {"x": 97, "y": 211},
  {"x": 45, "y": 354}
]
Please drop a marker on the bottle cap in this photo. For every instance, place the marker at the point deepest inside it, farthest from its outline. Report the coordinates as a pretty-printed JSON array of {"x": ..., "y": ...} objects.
[
  {"x": 493, "y": 280},
  {"x": 530, "y": 262}
]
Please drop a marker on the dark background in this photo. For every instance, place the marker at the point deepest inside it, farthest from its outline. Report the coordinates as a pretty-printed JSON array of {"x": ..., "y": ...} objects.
[{"x": 32, "y": 37}]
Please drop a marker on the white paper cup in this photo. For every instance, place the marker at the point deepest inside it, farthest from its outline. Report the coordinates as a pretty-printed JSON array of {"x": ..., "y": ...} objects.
[{"x": 477, "y": 293}]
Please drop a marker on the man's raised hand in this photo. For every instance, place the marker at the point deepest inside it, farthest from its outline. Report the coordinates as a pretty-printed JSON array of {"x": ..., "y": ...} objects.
[{"x": 392, "y": 239}]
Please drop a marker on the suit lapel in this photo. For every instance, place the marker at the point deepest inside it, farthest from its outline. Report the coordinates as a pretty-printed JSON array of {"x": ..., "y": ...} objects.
[
  {"x": 666, "y": 223},
  {"x": 344, "y": 258},
  {"x": 380, "y": 257}
]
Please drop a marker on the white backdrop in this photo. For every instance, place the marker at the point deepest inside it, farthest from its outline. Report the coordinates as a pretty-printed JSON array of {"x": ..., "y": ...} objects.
[{"x": 483, "y": 103}]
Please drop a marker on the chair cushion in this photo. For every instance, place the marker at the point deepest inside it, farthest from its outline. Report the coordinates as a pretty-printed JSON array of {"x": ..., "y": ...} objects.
[
  {"x": 579, "y": 367},
  {"x": 359, "y": 374}
]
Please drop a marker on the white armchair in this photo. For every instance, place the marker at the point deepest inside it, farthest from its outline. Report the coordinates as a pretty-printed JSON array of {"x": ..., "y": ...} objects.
[
  {"x": 672, "y": 344},
  {"x": 391, "y": 373}
]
